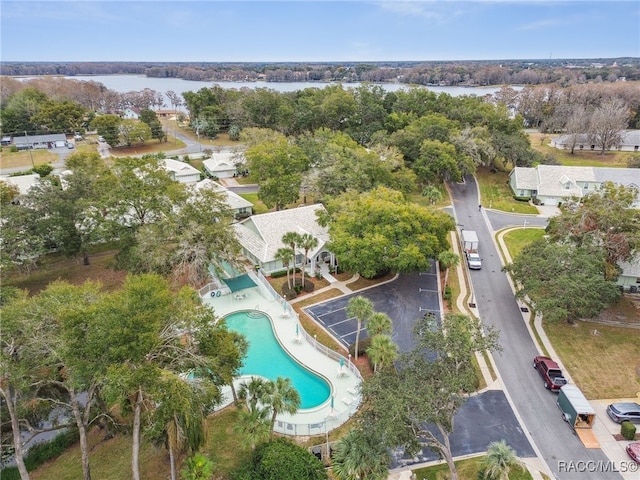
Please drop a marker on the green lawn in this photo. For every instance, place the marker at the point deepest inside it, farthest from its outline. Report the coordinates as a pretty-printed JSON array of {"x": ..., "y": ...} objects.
[
  {"x": 517, "y": 239},
  {"x": 468, "y": 469},
  {"x": 580, "y": 158},
  {"x": 496, "y": 193},
  {"x": 585, "y": 347}
]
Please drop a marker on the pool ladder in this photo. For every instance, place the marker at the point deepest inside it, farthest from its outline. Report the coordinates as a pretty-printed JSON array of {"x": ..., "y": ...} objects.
[{"x": 255, "y": 313}]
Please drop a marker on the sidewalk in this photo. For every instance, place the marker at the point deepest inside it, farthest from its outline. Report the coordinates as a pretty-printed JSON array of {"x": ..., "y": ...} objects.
[{"x": 604, "y": 428}]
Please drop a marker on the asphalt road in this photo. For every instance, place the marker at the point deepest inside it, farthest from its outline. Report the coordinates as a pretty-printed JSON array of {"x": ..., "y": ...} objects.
[{"x": 498, "y": 307}]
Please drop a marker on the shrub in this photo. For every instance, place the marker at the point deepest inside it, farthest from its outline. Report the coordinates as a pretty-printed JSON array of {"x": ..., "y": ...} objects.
[
  {"x": 13, "y": 149},
  {"x": 278, "y": 274},
  {"x": 282, "y": 459},
  {"x": 43, "y": 170},
  {"x": 447, "y": 293},
  {"x": 287, "y": 292},
  {"x": 628, "y": 430},
  {"x": 363, "y": 344},
  {"x": 521, "y": 199}
]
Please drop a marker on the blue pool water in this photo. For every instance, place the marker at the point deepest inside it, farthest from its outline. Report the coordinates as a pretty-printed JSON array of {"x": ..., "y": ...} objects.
[{"x": 266, "y": 358}]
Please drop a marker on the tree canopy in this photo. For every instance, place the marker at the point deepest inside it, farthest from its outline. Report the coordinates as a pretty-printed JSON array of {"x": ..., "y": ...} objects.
[{"x": 380, "y": 231}]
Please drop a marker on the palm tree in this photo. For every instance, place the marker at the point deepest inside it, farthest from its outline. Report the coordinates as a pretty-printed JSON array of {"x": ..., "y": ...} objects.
[
  {"x": 307, "y": 242},
  {"x": 253, "y": 392},
  {"x": 252, "y": 426},
  {"x": 382, "y": 351},
  {"x": 432, "y": 193},
  {"x": 358, "y": 456},
  {"x": 379, "y": 324},
  {"x": 362, "y": 309},
  {"x": 499, "y": 461},
  {"x": 292, "y": 239},
  {"x": 281, "y": 396},
  {"x": 448, "y": 259},
  {"x": 285, "y": 255}
]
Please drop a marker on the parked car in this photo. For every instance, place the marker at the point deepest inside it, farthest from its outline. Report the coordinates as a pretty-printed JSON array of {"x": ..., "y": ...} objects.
[
  {"x": 619, "y": 412},
  {"x": 633, "y": 449},
  {"x": 101, "y": 139},
  {"x": 550, "y": 372}
]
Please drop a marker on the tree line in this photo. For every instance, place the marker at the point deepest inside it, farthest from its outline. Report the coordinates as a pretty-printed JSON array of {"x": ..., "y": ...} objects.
[{"x": 449, "y": 73}]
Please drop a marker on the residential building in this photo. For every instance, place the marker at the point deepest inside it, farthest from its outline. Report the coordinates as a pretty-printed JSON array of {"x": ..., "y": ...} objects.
[
  {"x": 241, "y": 208},
  {"x": 131, "y": 113},
  {"x": 261, "y": 237},
  {"x": 551, "y": 184},
  {"x": 181, "y": 171},
  {"x": 40, "y": 141},
  {"x": 629, "y": 142},
  {"x": 224, "y": 164}
]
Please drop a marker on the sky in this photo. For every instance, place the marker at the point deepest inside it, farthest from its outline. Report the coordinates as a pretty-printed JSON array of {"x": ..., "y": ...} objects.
[{"x": 316, "y": 31}]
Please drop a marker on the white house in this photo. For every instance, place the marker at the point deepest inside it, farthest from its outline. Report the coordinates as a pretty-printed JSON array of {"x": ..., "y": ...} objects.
[
  {"x": 629, "y": 142},
  {"x": 551, "y": 184},
  {"x": 241, "y": 208},
  {"x": 261, "y": 237},
  {"x": 629, "y": 279},
  {"x": 131, "y": 113},
  {"x": 224, "y": 164},
  {"x": 180, "y": 171}
]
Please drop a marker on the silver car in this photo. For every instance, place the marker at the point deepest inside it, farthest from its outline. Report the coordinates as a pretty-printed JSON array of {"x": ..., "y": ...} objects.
[{"x": 619, "y": 412}]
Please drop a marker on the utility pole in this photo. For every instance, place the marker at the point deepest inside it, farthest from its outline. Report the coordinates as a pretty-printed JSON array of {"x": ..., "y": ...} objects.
[{"x": 29, "y": 148}]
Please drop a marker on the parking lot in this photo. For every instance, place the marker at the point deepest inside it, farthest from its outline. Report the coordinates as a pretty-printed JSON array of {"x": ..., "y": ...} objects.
[{"x": 405, "y": 299}]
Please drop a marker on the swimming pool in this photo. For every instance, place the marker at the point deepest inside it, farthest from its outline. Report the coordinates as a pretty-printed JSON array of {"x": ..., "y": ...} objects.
[{"x": 267, "y": 358}]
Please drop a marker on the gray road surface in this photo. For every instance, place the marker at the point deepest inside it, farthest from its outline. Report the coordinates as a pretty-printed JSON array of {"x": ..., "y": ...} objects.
[{"x": 499, "y": 308}]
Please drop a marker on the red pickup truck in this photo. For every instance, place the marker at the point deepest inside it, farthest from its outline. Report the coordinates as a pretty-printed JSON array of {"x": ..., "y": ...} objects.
[{"x": 550, "y": 372}]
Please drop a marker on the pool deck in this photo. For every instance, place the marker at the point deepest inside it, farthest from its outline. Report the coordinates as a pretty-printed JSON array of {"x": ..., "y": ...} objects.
[{"x": 344, "y": 383}]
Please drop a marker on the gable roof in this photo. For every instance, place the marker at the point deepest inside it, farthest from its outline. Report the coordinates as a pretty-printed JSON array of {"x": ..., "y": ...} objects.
[
  {"x": 232, "y": 199},
  {"x": 179, "y": 168},
  {"x": 262, "y": 234},
  {"x": 222, "y": 162},
  {"x": 551, "y": 180}
]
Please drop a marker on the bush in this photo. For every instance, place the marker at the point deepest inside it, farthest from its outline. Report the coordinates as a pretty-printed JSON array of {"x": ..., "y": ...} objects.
[
  {"x": 281, "y": 459},
  {"x": 13, "y": 149},
  {"x": 447, "y": 293},
  {"x": 363, "y": 345},
  {"x": 521, "y": 199},
  {"x": 628, "y": 430},
  {"x": 278, "y": 274},
  {"x": 43, "y": 170}
]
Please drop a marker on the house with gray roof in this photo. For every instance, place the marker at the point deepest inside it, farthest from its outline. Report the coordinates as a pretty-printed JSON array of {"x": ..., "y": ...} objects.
[
  {"x": 181, "y": 171},
  {"x": 261, "y": 236},
  {"x": 551, "y": 184},
  {"x": 241, "y": 208},
  {"x": 223, "y": 164},
  {"x": 40, "y": 141},
  {"x": 629, "y": 142}
]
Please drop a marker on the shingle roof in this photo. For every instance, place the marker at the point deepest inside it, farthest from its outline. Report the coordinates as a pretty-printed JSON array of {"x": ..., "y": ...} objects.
[
  {"x": 179, "y": 168},
  {"x": 222, "y": 162},
  {"x": 262, "y": 234},
  {"x": 551, "y": 180},
  {"x": 234, "y": 200}
]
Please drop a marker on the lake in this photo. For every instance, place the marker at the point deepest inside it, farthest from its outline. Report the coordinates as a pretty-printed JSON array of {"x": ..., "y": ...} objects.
[{"x": 129, "y": 83}]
